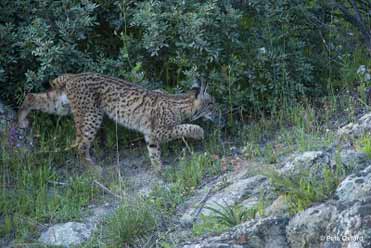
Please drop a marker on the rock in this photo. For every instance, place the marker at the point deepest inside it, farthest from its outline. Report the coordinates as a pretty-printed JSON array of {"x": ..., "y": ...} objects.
[
  {"x": 344, "y": 221},
  {"x": 67, "y": 234},
  {"x": 230, "y": 190},
  {"x": 192, "y": 206},
  {"x": 250, "y": 202},
  {"x": 97, "y": 214},
  {"x": 314, "y": 161},
  {"x": 355, "y": 187},
  {"x": 237, "y": 191},
  {"x": 352, "y": 226},
  {"x": 306, "y": 228},
  {"x": 310, "y": 160},
  {"x": 74, "y": 233},
  {"x": 278, "y": 207},
  {"x": 358, "y": 129},
  {"x": 353, "y": 160},
  {"x": 266, "y": 232}
]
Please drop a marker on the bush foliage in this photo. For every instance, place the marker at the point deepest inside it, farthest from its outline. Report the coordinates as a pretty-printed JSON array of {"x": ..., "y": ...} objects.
[{"x": 256, "y": 55}]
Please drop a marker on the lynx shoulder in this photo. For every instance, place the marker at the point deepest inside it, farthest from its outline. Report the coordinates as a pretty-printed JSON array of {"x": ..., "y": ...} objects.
[{"x": 159, "y": 116}]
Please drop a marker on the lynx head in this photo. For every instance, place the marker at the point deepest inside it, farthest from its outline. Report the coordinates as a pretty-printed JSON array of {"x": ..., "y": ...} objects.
[{"x": 205, "y": 106}]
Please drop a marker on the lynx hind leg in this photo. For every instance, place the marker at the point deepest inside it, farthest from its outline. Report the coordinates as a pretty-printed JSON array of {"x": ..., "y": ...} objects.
[
  {"x": 154, "y": 152},
  {"x": 87, "y": 128}
]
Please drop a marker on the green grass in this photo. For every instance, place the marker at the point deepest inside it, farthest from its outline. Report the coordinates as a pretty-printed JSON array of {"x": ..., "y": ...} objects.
[
  {"x": 183, "y": 180},
  {"x": 232, "y": 215},
  {"x": 135, "y": 219},
  {"x": 304, "y": 189},
  {"x": 300, "y": 128},
  {"x": 38, "y": 189},
  {"x": 131, "y": 221},
  {"x": 222, "y": 218},
  {"x": 364, "y": 144},
  {"x": 34, "y": 191},
  {"x": 32, "y": 195},
  {"x": 284, "y": 141},
  {"x": 191, "y": 172},
  {"x": 167, "y": 198},
  {"x": 208, "y": 224}
]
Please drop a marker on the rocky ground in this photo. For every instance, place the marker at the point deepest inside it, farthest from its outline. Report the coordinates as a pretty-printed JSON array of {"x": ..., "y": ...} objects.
[{"x": 343, "y": 220}]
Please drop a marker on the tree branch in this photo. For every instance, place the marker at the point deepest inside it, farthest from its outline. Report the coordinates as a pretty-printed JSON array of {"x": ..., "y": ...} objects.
[
  {"x": 358, "y": 17},
  {"x": 356, "y": 20}
]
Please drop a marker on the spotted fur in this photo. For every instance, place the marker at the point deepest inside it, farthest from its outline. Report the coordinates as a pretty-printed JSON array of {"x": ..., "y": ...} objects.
[{"x": 157, "y": 115}]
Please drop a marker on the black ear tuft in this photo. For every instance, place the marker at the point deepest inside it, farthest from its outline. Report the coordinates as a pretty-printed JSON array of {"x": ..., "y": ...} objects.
[
  {"x": 197, "y": 90},
  {"x": 196, "y": 87}
]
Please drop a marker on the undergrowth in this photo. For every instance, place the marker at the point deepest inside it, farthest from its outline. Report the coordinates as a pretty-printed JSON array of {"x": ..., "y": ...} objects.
[
  {"x": 305, "y": 188},
  {"x": 303, "y": 127},
  {"x": 34, "y": 192},
  {"x": 134, "y": 220}
]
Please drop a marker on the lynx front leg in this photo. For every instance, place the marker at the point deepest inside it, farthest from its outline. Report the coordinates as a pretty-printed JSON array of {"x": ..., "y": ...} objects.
[
  {"x": 180, "y": 131},
  {"x": 88, "y": 128},
  {"x": 154, "y": 152},
  {"x": 166, "y": 134}
]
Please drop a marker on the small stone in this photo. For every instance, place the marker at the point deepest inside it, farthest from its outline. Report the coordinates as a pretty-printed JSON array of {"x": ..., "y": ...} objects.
[
  {"x": 279, "y": 207},
  {"x": 67, "y": 234}
]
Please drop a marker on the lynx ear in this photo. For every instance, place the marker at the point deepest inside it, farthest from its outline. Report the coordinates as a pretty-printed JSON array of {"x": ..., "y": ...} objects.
[
  {"x": 197, "y": 87},
  {"x": 200, "y": 87}
]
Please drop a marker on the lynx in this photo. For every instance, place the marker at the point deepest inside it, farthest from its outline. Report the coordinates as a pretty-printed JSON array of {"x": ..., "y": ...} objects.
[{"x": 159, "y": 116}]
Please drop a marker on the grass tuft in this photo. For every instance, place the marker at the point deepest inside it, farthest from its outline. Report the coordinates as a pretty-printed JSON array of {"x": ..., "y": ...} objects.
[
  {"x": 133, "y": 220},
  {"x": 222, "y": 218},
  {"x": 303, "y": 189},
  {"x": 364, "y": 144},
  {"x": 232, "y": 215}
]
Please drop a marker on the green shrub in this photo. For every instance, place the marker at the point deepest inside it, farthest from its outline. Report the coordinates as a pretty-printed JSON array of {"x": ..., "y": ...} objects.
[{"x": 257, "y": 55}]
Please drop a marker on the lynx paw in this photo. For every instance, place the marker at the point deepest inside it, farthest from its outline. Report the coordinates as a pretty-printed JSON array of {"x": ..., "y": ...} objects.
[
  {"x": 157, "y": 166},
  {"x": 198, "y": 133}
]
